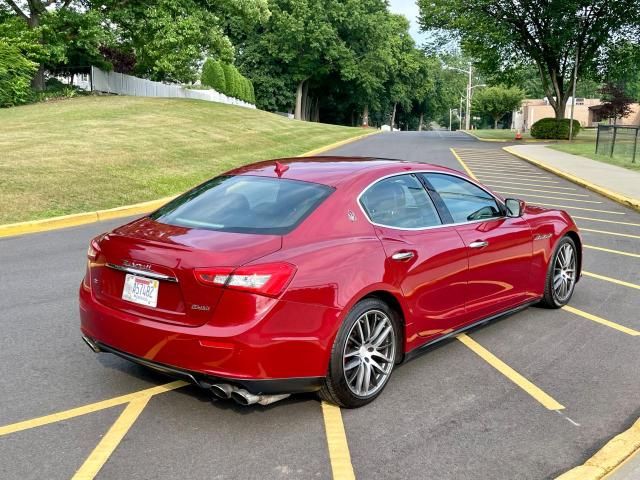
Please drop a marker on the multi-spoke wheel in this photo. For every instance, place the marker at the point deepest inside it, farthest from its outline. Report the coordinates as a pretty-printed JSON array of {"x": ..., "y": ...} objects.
[
  {"x": 562, "y": 274},
  {"x": 363, "y": 355}
]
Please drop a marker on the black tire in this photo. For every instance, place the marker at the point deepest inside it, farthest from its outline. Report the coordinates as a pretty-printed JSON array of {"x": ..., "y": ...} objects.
[
  {"x": 336, "y": 388},
  {"x": 551, "y": 298}
]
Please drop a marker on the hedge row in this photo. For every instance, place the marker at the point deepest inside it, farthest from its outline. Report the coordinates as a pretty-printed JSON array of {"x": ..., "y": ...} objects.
[
  {"x": 226, "y": 78},
  {"x": 15, "y": 76},
  {"x": 550, "y": 128}
]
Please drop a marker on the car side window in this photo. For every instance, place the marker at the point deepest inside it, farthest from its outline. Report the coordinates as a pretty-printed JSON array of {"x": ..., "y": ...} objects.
[
  {"x": 464, "y": 200},
  {"x": 401, "y": 202}
]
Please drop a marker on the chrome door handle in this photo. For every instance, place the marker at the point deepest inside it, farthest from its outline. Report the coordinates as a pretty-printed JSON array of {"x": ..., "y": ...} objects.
[
  {"x": 479, "y": 244},
  {"x": 400, "y": 256}
]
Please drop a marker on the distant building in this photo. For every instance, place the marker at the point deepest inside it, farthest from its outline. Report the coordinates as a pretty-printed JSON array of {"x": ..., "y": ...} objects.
[{"x": 586, "y": 112}]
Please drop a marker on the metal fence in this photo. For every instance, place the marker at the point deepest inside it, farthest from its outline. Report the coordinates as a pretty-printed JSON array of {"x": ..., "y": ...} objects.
[
  {"x": 119, "y": 83},
  {"x": 618, "y": 140}
]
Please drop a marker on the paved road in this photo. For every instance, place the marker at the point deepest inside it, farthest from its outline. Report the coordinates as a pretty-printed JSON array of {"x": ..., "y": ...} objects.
[{"x": 445, "y": 415}]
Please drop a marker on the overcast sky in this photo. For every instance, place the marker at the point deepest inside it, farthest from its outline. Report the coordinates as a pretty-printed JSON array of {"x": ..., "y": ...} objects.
[{"x": 409, "y": 9}]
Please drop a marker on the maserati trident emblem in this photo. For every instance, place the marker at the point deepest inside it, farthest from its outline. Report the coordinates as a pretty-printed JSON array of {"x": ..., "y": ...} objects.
[{"x": 351, "y": 215}]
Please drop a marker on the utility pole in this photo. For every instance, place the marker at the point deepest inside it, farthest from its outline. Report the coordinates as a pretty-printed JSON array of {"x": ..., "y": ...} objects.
[
  {"x": 582, "y": 17},
  {"x": 467, "y": 119},
  {"x": 450, "y": 118}
]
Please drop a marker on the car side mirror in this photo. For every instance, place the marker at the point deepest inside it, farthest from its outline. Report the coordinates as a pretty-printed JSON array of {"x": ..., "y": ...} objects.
[{"x": 515, "y": 207}]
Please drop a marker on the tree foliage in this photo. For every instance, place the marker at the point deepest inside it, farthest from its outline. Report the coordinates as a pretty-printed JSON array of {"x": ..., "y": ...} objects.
[
  {"x": 497, "y": 101},
  {"x": 503, "y": 34},
  {"x": 213, "y": 75},
  {"x": 616, "y": 103},
  {"x": 16, "y": 71}
]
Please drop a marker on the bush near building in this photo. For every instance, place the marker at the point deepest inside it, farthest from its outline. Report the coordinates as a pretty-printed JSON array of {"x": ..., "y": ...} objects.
[
  {"x": 551, "y": 128},
  {"x": 15, "y": 76}
]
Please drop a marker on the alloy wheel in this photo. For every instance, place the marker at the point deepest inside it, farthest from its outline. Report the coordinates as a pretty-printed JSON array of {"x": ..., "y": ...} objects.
[
  {"x": 369, "y": 353},
  {"x": 564, "y": 272}
]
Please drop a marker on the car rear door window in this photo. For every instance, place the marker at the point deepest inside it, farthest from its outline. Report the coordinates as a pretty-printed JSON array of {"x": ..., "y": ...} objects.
[
  {"x": 401, "y": 202},
  {"x": 245, "y": 204},
  {"x": 465, "y": 201}
]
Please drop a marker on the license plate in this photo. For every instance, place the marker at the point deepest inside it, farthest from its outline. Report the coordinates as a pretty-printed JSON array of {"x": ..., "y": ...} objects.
[{"x": 141, "y": 290}]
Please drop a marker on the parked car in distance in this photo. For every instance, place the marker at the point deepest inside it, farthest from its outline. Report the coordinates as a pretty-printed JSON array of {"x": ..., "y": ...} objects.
[{"x": 319, "y": 274}]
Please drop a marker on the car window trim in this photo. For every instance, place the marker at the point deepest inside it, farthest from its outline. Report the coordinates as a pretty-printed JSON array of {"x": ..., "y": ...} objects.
[{"x": 397, "y": 174}]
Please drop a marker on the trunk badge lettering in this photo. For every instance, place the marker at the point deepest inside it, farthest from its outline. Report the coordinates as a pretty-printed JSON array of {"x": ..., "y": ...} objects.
[
  {"x": 139, "y": 266},
  {"x": 202, "y": 308}
]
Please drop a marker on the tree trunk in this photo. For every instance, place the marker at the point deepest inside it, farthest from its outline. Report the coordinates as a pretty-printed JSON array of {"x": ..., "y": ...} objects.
[
  {"x": 421, "y": 121},
  {"x": 495, "y": 123},
  {"x": 37, "y": 82},
  {"x": 393, "y": 116},
  {"x": 298, "y": 112},
  {"x": 365, "y": 116}
]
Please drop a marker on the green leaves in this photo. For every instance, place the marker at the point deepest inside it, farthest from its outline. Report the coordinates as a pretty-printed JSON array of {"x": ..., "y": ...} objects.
[
  {"x": 16, "y": 71},
  {"x": 497, "y": 101}
]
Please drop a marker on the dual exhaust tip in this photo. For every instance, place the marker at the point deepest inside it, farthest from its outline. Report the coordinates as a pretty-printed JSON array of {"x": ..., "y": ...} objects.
[{"x": 242, "y": 396}]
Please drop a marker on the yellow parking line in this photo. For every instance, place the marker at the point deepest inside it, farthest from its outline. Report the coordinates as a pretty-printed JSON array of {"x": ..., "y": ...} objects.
[
  {"x": 499, "y": 176},
  {"x": 606, "y": 221},
  {"x": 111, "y": 440},
  {"x": 341, "y": 466},
  {"x": 553, "y": 187},
  {"x": 552, "y": 198},
  {"x": 537, "y": 190},
  {"x": 539, "y": 395},
  {"x": 580, "y": 208},
  {"x": 464, "y": 165},
  {"x": 612, "y": 280},
  {"x": 511, "y": 171},
  {"x": 609, "y": 250},
  {"x": 92, "y": 407},
  {"x": 517, "y": 176},
  {"x": 602, "y": 321},
  {"x": 605, "y": 232}
]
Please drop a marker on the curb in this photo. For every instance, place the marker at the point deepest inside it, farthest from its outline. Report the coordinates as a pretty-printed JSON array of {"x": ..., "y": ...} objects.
[
  {"x": 616, "y": 197},
  {"x": 504, "y": 140},
  {"x": 609, "y": 457},
  {"x": 73, "y": 220}
]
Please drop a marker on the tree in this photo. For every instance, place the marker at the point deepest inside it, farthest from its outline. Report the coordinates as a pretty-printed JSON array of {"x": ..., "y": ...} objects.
[
  {"x": 16, "y": 71},
  {"x": 551, "y": 34},
  {"x": 616, "y": 103},
  {"x": 497, "y": 101},
  {"x": 213, "y": 75}
]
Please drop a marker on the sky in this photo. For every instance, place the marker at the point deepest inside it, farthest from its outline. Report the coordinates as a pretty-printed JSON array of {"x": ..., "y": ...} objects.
[{"x": 409, "y": 9}]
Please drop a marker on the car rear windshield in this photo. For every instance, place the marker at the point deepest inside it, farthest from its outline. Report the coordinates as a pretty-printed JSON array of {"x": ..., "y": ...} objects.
[{"x": 245, "y": 204}]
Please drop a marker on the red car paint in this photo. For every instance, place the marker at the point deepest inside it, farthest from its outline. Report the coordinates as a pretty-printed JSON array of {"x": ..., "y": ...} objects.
[{"x": 338, "y": 257}]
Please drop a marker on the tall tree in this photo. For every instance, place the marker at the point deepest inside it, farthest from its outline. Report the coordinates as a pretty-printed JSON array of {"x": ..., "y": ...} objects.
[
  {"x": 497, "y": 101},
  {"x": 551, "y": 34}
]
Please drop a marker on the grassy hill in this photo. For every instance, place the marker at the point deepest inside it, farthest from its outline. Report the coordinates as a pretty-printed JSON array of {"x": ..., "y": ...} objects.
[{"x": 92, "y": 153}]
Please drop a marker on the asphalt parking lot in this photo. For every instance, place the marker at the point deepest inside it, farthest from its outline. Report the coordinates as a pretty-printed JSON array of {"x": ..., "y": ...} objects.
[{"x": 526, "y": 397}]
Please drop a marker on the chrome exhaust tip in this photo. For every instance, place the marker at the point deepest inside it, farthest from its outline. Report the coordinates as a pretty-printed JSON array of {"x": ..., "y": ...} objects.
[
  {"x": 92, "y": 345},
  {"x": 222, "y": 390},
  {"x": 245, "y": 398}
]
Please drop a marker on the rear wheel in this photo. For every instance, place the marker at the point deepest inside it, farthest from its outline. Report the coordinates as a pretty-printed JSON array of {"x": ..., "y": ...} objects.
[
  {"x": 363, "y": 355},
  {"x": 561, "y": 274}
]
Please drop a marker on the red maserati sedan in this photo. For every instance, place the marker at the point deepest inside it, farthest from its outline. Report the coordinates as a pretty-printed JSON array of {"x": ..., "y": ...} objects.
[{"x": 318, "y": 274}]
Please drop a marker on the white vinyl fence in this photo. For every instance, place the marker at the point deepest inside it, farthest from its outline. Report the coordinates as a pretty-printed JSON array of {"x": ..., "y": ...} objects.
[{"x": 119, "y": 83}]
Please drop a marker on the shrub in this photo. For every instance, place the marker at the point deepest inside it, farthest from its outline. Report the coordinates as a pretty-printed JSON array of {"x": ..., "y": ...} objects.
[
  {"x": 230, "y": 79},
  {"x": 551, "y": 128},
  {"x": 15, "y": 76},
  {"x": 252, "y": 93},
  {"x": 213, "y": 75}
]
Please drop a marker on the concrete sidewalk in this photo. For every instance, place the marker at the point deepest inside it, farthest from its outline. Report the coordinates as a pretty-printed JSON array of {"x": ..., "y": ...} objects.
[
  {"x": 617, "y": 180},
  {"x": 628, "y": 470}
]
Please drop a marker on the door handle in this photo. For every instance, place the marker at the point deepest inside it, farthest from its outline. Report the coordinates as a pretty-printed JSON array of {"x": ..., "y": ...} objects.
[
  {"x": 479, "y": 244},
  {"x": 401, "y": 256}
]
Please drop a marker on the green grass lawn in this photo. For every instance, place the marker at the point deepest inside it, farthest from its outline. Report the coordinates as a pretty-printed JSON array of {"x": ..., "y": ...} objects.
[
  {"x": 92, "y": 153},
  {"x": 588, "y": 149},
  {"x": 585, "y": 135}
]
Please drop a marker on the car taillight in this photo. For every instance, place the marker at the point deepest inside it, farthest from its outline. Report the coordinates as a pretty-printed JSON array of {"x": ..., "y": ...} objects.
[
  {"x": 93, "y": 251},
  {"x": 266, "y": 279}
]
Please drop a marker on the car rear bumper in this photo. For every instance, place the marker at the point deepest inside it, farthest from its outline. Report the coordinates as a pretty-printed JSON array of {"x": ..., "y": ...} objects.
[{"x": 287, "y": 350}]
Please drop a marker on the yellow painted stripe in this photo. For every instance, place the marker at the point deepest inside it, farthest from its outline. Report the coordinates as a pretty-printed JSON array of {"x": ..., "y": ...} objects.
[
  {"x": 537, "y": 190},
  {"x": 517, "y": 176},
  {"x": 92, "y": 407},
  {"x": 606, "y": 232},
  {"x": 537, "y": 393},
  {"x": 532, "y": 195},
  {"x": 609, "y": 250},
  {"x": 551, "y": 187},
  {"x": 580, "y": 208},
  {"x": 111, "y": 440},
  {"x": 606, "y": 221},
  {"x": 612, "y": 280},
  {"x": 499, "y": 176},
  {"x": 341, "y": 466},
  {"x": 511, "y": 171},
  {"x": 602, "y": 321},
  {"x": 464, "y": 165}
]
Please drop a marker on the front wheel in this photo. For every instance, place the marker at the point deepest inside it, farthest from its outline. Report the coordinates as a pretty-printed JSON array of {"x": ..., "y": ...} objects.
[
  {"x": 561, "y": 275},
  {"x": 363, "y": 355}
]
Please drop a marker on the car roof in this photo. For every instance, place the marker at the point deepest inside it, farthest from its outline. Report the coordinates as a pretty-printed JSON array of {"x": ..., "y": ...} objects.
[{"x": 335, "y": 170}]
